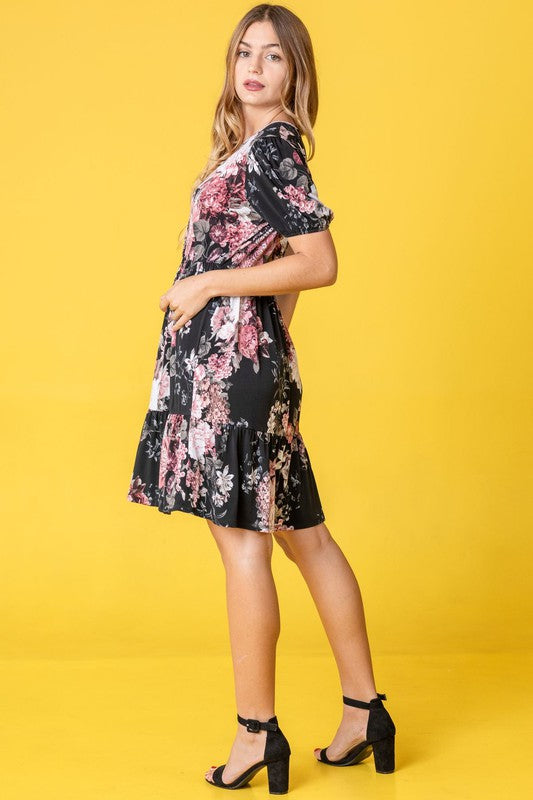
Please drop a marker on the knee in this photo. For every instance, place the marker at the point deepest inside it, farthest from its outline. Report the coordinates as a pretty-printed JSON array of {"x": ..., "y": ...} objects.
[
  {"x": 241, "y": 544},
  {"x": 284, "y": 544},
  {"x": 300, "y": 543}
]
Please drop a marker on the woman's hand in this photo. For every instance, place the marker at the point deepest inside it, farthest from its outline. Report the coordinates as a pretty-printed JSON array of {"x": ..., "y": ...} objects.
[{"x": 186, "y": 298}]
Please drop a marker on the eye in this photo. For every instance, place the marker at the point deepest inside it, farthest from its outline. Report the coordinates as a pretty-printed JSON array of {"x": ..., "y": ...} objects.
[{"x": 247, "y": 52}]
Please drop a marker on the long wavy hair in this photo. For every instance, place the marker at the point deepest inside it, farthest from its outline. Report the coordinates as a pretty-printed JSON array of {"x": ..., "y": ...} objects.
[{"x": 299, "y": 93}]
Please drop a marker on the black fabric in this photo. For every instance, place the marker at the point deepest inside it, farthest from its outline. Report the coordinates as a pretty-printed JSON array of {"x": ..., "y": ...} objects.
[
  {"x": 280, "y": 186},
  {"x": 221, "y": 438}
]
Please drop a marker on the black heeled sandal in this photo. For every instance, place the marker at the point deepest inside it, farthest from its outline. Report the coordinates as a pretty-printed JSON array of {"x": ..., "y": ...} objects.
[
  {"x": 380, "y": 733},
  {"x": 276, "y": 759}
]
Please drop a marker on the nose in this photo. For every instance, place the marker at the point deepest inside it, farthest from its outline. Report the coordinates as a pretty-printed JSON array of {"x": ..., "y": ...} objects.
[{"x": 254, "y": 66}]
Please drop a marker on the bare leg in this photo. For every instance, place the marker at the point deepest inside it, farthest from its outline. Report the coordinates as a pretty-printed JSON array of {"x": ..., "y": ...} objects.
[
  {"x": 254, "y": 628},
  {"x": 337, "y": 596}
]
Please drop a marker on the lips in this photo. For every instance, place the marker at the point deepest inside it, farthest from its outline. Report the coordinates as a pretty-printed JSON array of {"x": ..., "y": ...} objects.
[{"x": 253, "y": 84}]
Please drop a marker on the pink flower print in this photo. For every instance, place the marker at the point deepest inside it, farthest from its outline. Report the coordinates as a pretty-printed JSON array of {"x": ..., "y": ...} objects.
[
  {"x": 220, "y": 365},
  {"x": 265, "y": 502},
  {"x": 164, "y": 385},
  {"x": 299, "y": 198},
  {"x": 218, "y": 318},
  {"x": 196, "y": 407},
  {"x": 296, "y": 157},
  {"x": 226, "y": 331},
  {"x": 248, "y": 341},
  {"x": 194, "y": 480},
  {"x": 215, "y": 254},
  {"x": 136, "y": 492},
  {"x": 218, "y": 413},
  {"x": 201, "y": 440},
  {"x": 248, "y": 310},
  {"x": 286, "y": 132},
  {"x": 214, "y": 197},
  {"x": 219, "y": 233},
  {"x": 239, "y": 232},
  {"x": 170, "y": 460},
  {"x": 289, "y": 431},
  {"x": 255, "y": 255},
  {"x": 223, "y": 321}
]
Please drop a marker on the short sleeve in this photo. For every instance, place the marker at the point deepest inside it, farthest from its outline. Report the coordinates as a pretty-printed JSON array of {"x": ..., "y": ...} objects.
[{"x": 280, "y": 187}]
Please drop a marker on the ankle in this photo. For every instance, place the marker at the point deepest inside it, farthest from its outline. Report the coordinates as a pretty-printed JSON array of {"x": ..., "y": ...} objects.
[
  {"x": 357, "y": 694},
  {"x": 250, "y": 737},
  {"x": 349, "y": 712}
]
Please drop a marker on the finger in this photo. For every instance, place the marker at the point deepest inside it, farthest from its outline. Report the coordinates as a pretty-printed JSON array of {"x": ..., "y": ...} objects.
[{"x": 180, "y": 322}]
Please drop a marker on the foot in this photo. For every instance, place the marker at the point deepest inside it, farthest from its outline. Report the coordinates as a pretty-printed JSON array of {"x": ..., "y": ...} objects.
[
  {"x": 248, "y": 748},
  {"x": 351, "y": 731}
]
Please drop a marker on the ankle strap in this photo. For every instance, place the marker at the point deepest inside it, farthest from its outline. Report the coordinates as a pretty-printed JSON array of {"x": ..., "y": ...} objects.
[
  {"x": 361, "y": 704},
  {"x": 254, "y": 725}
]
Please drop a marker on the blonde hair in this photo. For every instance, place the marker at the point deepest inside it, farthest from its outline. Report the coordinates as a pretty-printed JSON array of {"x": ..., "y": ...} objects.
[{"x": 299, "y": 93}]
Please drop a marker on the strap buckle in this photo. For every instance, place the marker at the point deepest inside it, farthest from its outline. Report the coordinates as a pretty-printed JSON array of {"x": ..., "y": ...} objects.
[{"x": 255, "y": 725}]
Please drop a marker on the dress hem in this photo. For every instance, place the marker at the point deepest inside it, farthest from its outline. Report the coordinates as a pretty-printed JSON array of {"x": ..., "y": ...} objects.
[{"x": 197, "y": 513}]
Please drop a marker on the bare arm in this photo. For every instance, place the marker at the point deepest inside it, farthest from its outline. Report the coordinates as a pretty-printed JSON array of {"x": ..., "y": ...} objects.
[
  {"x": 287, "y": 302},
  {"x": 312, "y": 264}
]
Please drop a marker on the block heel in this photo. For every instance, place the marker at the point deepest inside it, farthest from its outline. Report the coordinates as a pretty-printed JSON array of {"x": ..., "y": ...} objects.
[
  {"x": 278, "y": 776},
  {"x": 384, "y": 754},
  {"x": 276, "y": 759},
  {"x": 380, "y": 733}
]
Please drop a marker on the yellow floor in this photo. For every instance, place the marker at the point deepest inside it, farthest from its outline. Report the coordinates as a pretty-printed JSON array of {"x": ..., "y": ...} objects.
[{"x": 149, "y": 728}]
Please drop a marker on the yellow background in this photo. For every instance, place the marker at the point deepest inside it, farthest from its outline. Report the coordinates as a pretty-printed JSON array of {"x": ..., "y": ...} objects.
[
  {"x": 115, "y": 669},
  {"x": 416, "y": 364}
]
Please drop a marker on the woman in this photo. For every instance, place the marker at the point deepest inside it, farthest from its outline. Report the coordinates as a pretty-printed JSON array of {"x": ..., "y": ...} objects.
[{"x": 221, "y": 438}]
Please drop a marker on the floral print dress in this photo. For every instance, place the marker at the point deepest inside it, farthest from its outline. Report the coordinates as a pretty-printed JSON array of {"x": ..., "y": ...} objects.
[{"x": 221, "y": 436}]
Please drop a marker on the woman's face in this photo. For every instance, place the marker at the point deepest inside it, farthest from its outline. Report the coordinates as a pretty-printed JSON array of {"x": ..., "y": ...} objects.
[{"x": 260, "y": 59}]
